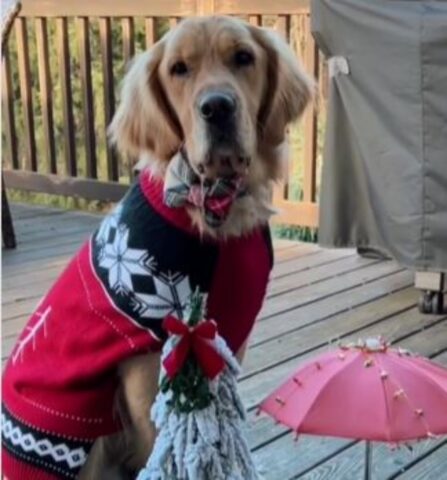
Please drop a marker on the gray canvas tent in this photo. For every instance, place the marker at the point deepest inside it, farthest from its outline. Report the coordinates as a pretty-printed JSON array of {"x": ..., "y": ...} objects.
[{"x": 384, "y": 180}]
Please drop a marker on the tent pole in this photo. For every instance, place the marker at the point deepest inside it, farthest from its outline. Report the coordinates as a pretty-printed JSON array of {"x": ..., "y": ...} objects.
[{"x": 368, "y": 455}]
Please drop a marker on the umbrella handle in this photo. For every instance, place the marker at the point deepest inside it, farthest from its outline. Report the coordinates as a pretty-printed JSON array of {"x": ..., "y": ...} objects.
[{"x": 368, "y": 458}]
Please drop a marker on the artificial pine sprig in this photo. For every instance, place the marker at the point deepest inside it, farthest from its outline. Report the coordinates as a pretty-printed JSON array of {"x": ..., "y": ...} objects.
[{"x": 190, "y": 387}]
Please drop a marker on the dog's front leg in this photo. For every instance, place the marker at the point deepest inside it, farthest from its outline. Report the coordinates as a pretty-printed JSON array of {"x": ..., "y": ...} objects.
[
  {"x": 139, "y": 380},
  {"x": 106, "y": 460},
  {"x": 240, "y": 354},
  {"x": 121, "y": 456}
]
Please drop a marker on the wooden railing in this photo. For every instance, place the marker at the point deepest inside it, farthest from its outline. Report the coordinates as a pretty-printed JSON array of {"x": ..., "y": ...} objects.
[{"x": 60, "y": 77}]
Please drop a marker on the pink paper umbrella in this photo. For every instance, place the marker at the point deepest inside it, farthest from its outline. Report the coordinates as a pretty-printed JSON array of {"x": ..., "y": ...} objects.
[{"x": 365, "y": 391}]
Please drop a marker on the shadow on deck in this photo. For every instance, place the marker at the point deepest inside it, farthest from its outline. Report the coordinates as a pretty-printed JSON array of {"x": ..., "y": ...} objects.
[{"x": 316, "y": 296}]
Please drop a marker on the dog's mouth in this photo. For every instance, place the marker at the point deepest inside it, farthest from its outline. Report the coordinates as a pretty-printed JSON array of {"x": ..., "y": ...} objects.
[
  {"x": 214, "y": 197},
  {"x": 220, "y": 164}
]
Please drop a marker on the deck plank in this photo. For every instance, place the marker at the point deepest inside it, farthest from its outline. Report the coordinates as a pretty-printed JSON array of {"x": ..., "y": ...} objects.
[
  {"x": 433, "y": 467},
  {"x": 315, "y": 297},
  {"x": 318, "y": 272},
  {"x": 344, "y": 301},
  {"x": 311, "y": 258},
  {"x": 310, "y": 293}
]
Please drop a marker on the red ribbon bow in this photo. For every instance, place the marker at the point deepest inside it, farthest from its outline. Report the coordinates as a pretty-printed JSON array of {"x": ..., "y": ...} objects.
[{"x": 195, "y": 339}]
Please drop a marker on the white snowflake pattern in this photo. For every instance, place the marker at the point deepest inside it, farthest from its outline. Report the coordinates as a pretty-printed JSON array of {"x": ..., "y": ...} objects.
[
  {"x": 121, "y": 261},
  {"x": 31, "y": 335},
  {"x": 109, "y": 222},
  {"x": 172, "y": 295}
]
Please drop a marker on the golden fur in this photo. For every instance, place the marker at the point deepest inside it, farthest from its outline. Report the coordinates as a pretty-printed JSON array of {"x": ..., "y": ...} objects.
[
  {"x": 158, "y": 113},
  {"x": 157, "y": 116}
]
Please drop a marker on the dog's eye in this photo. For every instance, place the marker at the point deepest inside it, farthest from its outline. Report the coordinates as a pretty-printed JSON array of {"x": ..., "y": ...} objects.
[
  {"x": 179, "y": 68},
  {"x": 243, "y": 58}
]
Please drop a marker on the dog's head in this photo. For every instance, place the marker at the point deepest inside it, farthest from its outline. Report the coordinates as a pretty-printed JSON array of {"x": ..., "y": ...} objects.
[{"x": 218, "y": 88}]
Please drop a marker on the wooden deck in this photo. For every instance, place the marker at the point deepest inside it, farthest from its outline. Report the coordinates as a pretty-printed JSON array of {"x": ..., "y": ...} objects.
[{"x": 316, "y": 296}]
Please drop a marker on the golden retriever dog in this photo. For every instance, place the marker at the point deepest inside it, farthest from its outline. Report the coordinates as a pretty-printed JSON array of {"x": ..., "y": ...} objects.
[
  {"x": 224, "y": 59},
  {"x": 219, "y": 94},
  {"x": 162, "y": 110}
]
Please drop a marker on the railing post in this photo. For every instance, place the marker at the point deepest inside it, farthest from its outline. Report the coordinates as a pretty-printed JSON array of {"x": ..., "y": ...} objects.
[
  {"x": 26, "y": 93},
  {"x": 46, "y": 92},
  {"x": 282, "y": 26},
  {"x": 8, "y": 110},
  {"x": 105, "y": 34},
  {"x": 310, "y": 121},
  {"x": 63, "y": 47},
  {"x": 85, "y": 63},
  {"x": 205, "y": 7}
]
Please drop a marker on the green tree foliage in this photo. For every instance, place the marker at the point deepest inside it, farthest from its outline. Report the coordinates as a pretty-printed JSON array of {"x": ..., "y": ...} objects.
[{"x": 119, "y": 68}]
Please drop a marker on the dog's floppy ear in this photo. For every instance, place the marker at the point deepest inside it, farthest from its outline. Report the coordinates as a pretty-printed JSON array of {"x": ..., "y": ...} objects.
[
  {"x": 144, "y": 120},
  {"x": 289, "y": 89}
]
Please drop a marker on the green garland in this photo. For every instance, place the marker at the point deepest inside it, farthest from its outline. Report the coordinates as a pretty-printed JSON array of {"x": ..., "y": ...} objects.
[{"x": 190, "y": 387}]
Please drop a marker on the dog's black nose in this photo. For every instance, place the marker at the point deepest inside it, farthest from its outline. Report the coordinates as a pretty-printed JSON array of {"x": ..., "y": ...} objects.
[{"x": 217, "y": 107}]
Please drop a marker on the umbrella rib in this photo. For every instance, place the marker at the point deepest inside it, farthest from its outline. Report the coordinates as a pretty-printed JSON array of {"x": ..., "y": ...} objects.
[
  {"x": 427, "y": 374},
  {"x": 424, "y": 375},
  {"x": 420, "y": 371},
  {"x": 387, "y": 409},
  {"x": 329, "y": 381}
]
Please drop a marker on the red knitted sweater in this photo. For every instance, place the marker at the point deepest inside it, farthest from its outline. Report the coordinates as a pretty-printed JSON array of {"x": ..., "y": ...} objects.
[{"x": 141, "y": 265}]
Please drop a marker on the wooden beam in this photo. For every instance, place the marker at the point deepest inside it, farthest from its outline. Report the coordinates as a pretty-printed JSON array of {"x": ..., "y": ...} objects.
[
  {"x": 160, "y": 8},
  {"x": 261, "y": 7},
  {"x": 65, "y": 186},
  {"x": 292, "y": 213},
  {"x": 304, "y": 214},
  {"x": 108, "y": 8}
]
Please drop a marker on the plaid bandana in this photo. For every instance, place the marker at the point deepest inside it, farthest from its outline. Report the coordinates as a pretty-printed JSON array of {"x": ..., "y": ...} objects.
[{"x": 184, "y": 187}]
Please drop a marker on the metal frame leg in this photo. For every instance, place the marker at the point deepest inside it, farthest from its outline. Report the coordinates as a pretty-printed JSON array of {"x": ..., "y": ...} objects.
[{"x": 8, "y": 234}]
